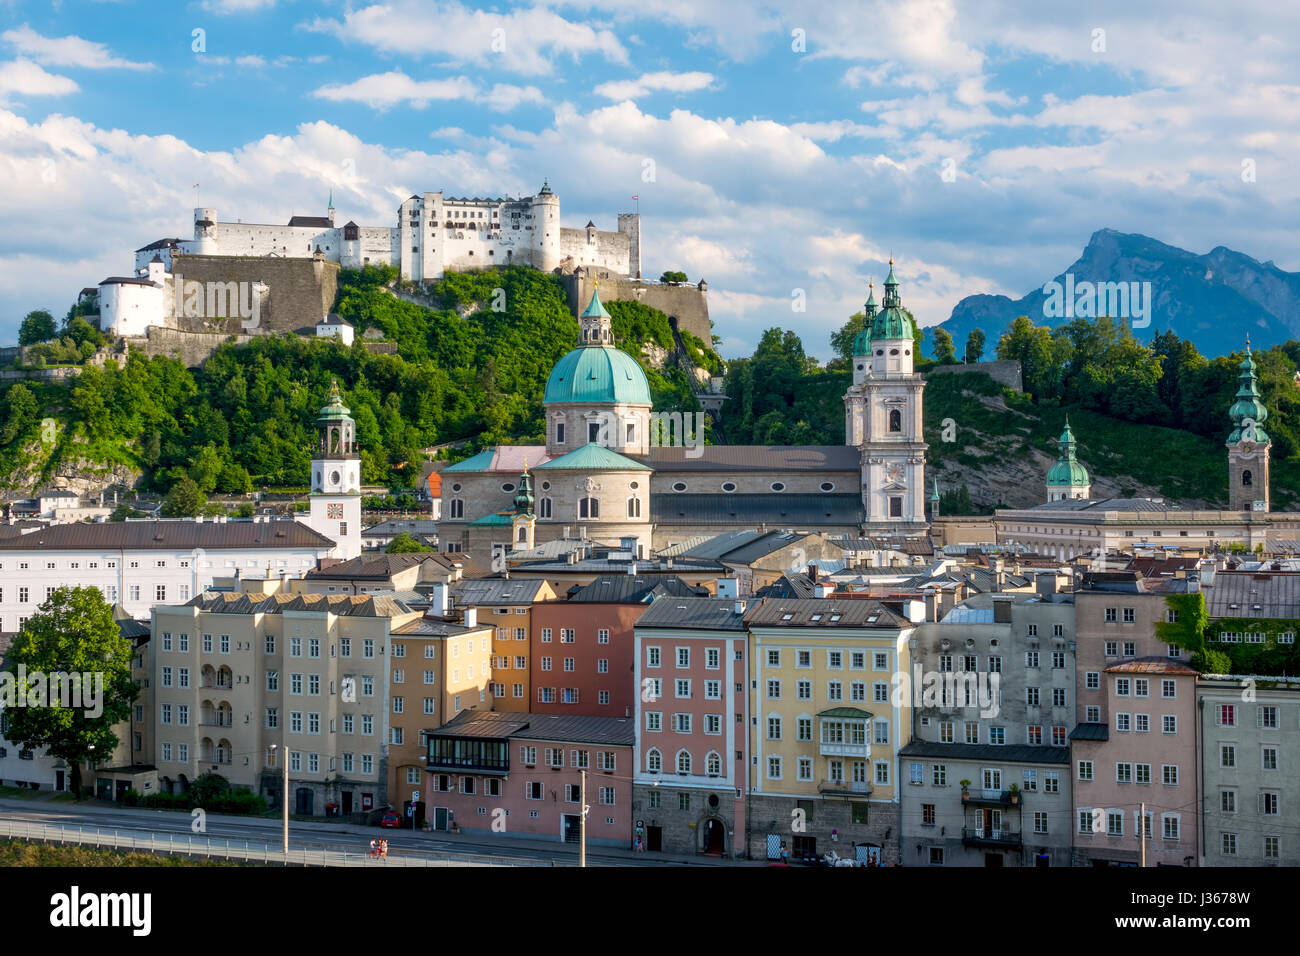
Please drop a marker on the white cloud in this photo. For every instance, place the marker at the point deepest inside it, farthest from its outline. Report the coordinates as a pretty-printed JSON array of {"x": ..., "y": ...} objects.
[
  {"x": 25, "y": 78},
  {"x": 647, "y": 82},
  {"x": 69, "y": 51},
  {"x": 524, "y": 41},
  {"x": 385, "y": 90}
]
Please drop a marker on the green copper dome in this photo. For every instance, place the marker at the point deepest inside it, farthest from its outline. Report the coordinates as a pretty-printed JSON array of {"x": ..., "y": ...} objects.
[
  {"x": 862, "y": 344},
  {"x": 334, "y": 409},
  {"x": 1067, "y": 471},
  {"x": 524, "y": 499},
  {"x": 597, "y": 374},
  {"x": 891, "y": 322},
  {"x": 1249, "y": 406}
]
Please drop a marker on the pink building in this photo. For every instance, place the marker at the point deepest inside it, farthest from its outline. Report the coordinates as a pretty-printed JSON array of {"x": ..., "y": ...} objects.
[
  {"x": 521, "y": 774},
  {"x": 1144, "y": 758},
  {"x": 1135, "y": 739},
  {"x": 692, "y": 725}
]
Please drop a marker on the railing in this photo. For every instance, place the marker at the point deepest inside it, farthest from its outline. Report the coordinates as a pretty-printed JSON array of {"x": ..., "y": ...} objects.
[
  {"x": 249, "y": 851},
  {"x": 991, "y": 835}
]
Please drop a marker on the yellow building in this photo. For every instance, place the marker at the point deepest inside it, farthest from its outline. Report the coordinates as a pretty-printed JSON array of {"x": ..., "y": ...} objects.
[
  {"x": 506, "y": 604},
  {"x": 825, "y": 727},
  {"x": 440, "y": 668}
]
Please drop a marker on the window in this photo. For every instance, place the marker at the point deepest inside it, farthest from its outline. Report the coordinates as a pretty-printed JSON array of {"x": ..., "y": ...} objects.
[
  {"x": 1093, "y": 680},
  {"x": 1228, "y": 846},
  {"x": 1085, "y": 769},
  {"x": 1040, "y": 821},
  {"x": 804, "y": 689},
  {"x": 1123, "y": 723},
  {"x": 773, "y": 768},
  {"x": 1112, "y": 615},
  {"x": 774, "y": 728},
  {"x": 774, "y": 690},
  {"x": 1169, "y": 724},
  {"x": 1227, "y": 755},
  {"x": 1051, "y": 781},
  {"x": 1169, "y": 775},
  {"x": 651, "y": 653},
  {"x": 1226, "y": 715}
]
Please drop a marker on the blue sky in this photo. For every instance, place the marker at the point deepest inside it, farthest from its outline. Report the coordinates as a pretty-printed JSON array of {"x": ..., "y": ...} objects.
[{"x": 981, "y": 144}]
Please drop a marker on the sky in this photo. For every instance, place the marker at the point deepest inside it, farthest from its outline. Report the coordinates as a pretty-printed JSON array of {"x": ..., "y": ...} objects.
[{"x": 781, "y": 151}]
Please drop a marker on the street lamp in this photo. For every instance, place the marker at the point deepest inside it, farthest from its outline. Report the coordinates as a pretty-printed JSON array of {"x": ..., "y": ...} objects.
[{"x": 284, "y": 794}]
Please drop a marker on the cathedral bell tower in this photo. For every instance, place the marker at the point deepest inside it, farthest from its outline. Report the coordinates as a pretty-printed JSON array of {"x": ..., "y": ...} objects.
[
  {"x": 883, "y": 417},
  {"x": 524, "y": 520},
  {"x": 336, "y": 478},
  {"x": 1248, "y": 444}
]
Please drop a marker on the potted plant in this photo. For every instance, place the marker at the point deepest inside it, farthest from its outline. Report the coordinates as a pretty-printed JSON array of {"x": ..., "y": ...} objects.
[
  {"x": 1015, "y": 793},
  {"x": 965, "y": 789}
]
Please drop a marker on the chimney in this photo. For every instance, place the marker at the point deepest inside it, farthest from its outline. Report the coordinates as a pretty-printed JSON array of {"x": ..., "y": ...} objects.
[
  {"x": 631, "y": 569},
  {"x": 471, "y": 617},
  {"x": 739, "y": 606},
  {"x": 439, "y": 595},
  {"x": 825, "y": 589}
]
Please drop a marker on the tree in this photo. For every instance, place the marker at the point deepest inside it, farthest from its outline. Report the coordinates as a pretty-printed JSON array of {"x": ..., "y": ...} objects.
[
  {"x": 124, "y": 511},
  {"x": 185, "y": 500},
  {"x": 945, "y": 353},
  {"x": 404, "y": 543},
  {"x": 842, "y": 341},
  {"x": 975, "y": 345},
  {"x": 38, "y": 326},
  {"x": 673, "y": 277},
  {"x": 71, "y": 637}
]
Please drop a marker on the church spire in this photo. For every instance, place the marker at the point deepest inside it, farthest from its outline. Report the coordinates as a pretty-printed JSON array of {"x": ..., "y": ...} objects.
[
  {"x": 891, "y": 299},
  {"x": 869, "y": 310},
  {"x": 1248, "y": 411}
]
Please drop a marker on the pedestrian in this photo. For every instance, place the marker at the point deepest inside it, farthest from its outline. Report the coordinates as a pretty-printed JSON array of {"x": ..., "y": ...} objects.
[
  {"x": 383, "y": 849},
  {"x": 373, "y": 851},
  {"x": 785, "y": 856}
]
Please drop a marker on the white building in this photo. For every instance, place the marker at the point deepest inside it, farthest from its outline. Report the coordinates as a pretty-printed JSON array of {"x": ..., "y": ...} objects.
[
  {"x": 337, "y": 326},
  {"x": 336, "y": 479},
  {"x": 142, "y": 563}
]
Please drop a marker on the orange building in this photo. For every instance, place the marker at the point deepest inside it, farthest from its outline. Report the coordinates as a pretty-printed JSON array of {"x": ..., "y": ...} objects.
[{"x": 507, "y": 607}]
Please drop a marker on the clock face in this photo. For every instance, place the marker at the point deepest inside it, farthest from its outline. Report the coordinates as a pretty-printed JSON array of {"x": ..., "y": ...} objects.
[
  {"x": 334, "y": 511},
  {"x": 334, "y": 477}
]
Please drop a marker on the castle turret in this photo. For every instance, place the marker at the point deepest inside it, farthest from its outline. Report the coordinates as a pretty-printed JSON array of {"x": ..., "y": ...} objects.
[
  {"x": 1248, "y": 444},
  {"x": 546, "y": 229},
  {"x": 1067, "y": 478},
  {"x": 205, "y": 231},
  {"x": 335, "y": 505}
]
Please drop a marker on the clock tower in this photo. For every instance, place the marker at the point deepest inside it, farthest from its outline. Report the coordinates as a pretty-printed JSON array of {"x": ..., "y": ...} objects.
[
  {"x": 1248, "y": 444},
  {"x": 336, "y": 478}
]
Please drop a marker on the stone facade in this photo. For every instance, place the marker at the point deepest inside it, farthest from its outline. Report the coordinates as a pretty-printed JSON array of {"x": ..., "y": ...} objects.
[
  {"x": 827, "y": 824},
  {"x": 687, "y": 306}
]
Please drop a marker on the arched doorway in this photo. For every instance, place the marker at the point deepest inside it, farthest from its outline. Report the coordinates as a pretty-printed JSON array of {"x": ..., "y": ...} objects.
[{"x": 715, "y": 837}]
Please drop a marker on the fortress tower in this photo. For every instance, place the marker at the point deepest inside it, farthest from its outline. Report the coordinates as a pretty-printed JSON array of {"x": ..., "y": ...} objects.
[{"x": 546, "y": 228}]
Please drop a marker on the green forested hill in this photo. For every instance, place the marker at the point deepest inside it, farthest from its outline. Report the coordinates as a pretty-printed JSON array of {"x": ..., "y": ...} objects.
[{"x": 471, "y": 364}]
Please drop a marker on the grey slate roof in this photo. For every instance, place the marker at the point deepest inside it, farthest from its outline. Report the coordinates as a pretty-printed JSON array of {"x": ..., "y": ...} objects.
[
  {"x": 796, "y": 585},
  {"x": 373, "y": 567},
  {"x": 1101, "y": 504},
  {"x": 321, "y": 222},
  {"x": 782, "y": 509},
  {"x": 774, "y": 458},
  {"x": 1015, "y": 753},
  {"x": 169, "y": 536},
  {"x": 700, "y": 613},
  {"x": 344, "y": 605},
  {"x": 1251, "y": 594},
  {"x": 394, "y": 526},
  {"x": 851, "y": 613},
  {"x": 607, "y": 731},
  {"x": 489, "y": 591},
  {"x": 633, "y": 589},
  {"x": 1090, "y": 732}
]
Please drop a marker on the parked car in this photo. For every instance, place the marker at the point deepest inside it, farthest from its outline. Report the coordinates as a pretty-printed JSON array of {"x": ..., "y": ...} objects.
[{"x": 391, "y": 820}]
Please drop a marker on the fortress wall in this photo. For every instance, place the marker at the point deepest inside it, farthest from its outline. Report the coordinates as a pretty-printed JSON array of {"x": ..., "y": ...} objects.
[
  {"x": 301, "y": 290},
  {"x": 1005, "y": 372},
  {"x": 688, "y": 305}
]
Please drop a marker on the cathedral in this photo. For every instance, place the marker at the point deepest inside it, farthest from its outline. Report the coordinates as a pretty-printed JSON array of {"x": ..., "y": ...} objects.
[{"x": 605, "y": 472}]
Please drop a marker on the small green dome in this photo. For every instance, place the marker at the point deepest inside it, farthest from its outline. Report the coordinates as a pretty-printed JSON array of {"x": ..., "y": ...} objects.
[
  {"x": 597, "y": 374},
  {"x": 1067, "y": 471},
  {"x": 892, "y": 323}
]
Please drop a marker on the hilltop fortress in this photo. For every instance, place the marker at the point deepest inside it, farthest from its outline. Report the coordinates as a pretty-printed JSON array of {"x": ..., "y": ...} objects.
[{"x": 257, "y": 278}]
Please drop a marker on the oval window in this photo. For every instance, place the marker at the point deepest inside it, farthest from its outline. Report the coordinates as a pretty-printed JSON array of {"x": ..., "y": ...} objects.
[
  {"x": 679, "y": 486},
  {"x": 334, "y": 477},
  {"x": 634, "y": 486},
  {"x": 778, "y": 486},
  {"x": 909, "y": 352},
  {"x": 507, "y": 487},
  {"x": 728, "y": 486},
  {"x": 880, "y": 351},
  {"x": 861, "y": 367},
  {"x": 828, "y": 486},
  {"x": 455, "y": 487},
  {"x": 895, "y": 352},
  {"x": 546, "y": 486}
]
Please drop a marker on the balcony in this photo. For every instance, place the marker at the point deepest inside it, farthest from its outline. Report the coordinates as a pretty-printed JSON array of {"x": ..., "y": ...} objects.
[
  {"x": 1001, "y": 798},
  {"x": 839, "y": 788},
  {"x": 844, "y": 750},
  {"x": 990, "y": 836}
]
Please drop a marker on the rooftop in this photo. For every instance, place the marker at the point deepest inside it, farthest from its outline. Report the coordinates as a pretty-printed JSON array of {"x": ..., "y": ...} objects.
[
  {"x": 609, "y": 731},
  {"x": 1265, "y": 595},
  {"x": 504, "y": 592},
  {"x": 169, "y": 536},
  {"x": 823, "y": 612},
  {"x": 343, "y": 605},
  {"x": 375, "y": 567},
  {"x": 632, "y": 589},
  {"x": 697, "y": 613}
]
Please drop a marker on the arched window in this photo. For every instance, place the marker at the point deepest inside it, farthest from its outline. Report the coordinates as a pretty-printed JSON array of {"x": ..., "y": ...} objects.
[
  {"x": 634, "y": 507},
  {"x": 1245, "y": 477},
  {"x": 523, "y": 534},
  {"x": 683, "y": 761},
  {"x": 895, "y": 420},
  {"x": 457, "y": 508},
  {"x": 588, "y": 507},
  {"x": 653, "y": 760},
  {"x": 714, "y": 763}
]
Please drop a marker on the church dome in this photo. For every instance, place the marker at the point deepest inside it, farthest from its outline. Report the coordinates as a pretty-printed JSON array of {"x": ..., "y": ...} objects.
[
  {"x": 1066, "y": 471},
  {"x": 891, "y": 322},
  {"x": 597, "y": 374}
]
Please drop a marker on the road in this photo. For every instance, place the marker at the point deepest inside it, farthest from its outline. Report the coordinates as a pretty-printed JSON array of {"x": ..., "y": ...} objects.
[{"x": 314, "y": 836}]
